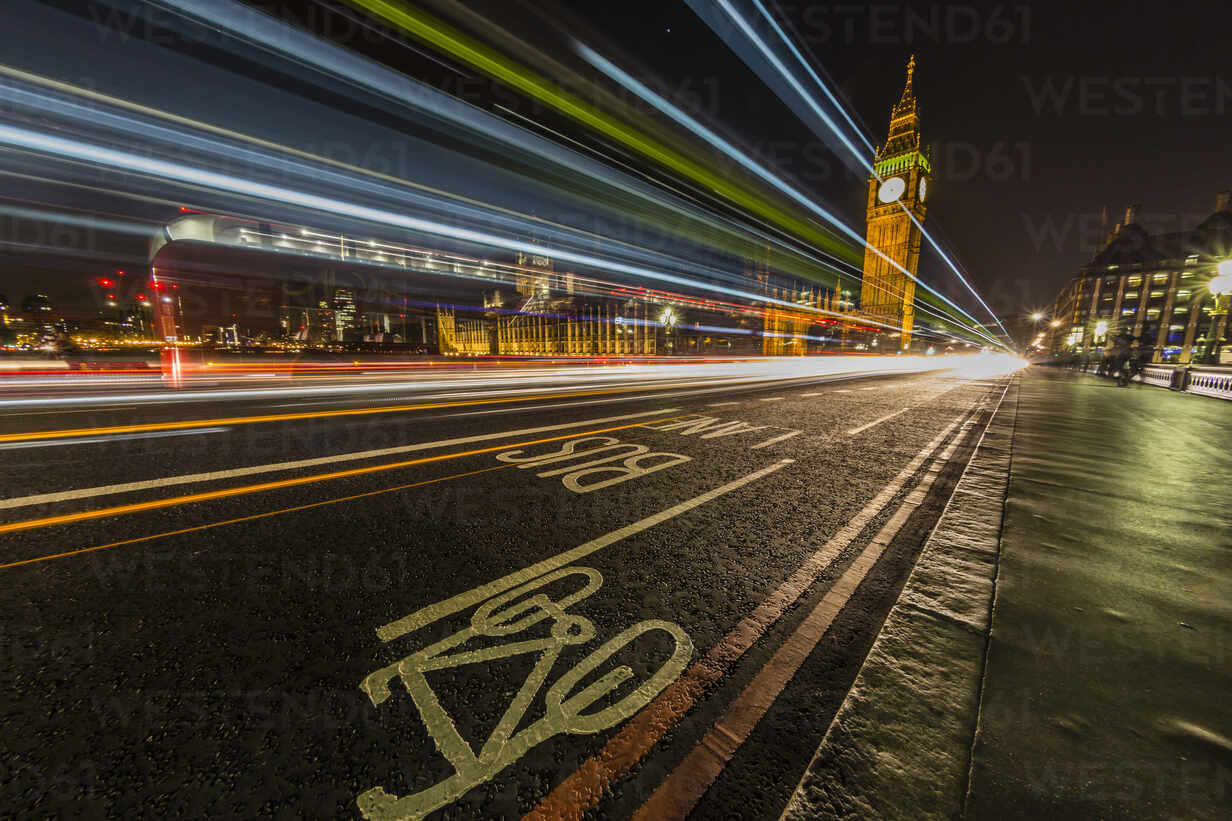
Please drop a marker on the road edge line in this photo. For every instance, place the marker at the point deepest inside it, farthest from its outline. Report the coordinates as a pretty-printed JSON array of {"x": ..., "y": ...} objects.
[
  {"x": 924, "y": 704},
  {"x": 586, "y": 786},
  {"x": 679, "y": 793}
]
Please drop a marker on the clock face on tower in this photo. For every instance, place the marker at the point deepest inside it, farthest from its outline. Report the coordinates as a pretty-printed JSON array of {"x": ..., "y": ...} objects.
[
  {"x": 923, "y": 188},
  {"x": 892, "y": 189}
]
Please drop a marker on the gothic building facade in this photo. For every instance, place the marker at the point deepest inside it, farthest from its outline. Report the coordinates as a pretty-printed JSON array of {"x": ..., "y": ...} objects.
[{"x": 895, "y": 218}]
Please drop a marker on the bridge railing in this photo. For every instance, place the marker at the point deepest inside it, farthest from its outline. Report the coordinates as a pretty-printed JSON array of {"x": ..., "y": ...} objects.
[
  {"x": 1204, "y": 381},
  {"x": 1162, "y": 376},
  {"x": 1216, "y": 382}
]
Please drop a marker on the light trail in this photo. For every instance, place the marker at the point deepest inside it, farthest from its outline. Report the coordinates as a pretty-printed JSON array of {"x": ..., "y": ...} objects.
[
  {"x": 256, "y": 30},
  {"x": 267, "y": 36},
  {"x": 76, "y": 151},
  {"x": 430, "y": 198},
  {"x": 425, "y": 27},
  {"x": 178, "y": 137},
  {"x": 291, "y": 417},
  {"x": 743, "y": 25},
  {"x": 488, "y": 61},
  {"x": 639, "y": 88}
]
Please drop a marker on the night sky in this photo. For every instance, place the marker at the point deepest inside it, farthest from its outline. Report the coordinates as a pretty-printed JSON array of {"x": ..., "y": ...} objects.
[
  {"x": 1040, "y": 115},
  {"x": 1140, "y": 112}
]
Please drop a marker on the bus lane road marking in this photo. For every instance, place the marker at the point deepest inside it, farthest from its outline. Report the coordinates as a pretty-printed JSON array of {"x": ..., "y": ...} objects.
[
  {"x": 876, "y": 422},
  {"x": 711, "y": 427},
  {"x": 776, "y": 439},
  {"x": 503, "y": 609},
  {"x": 636, "y": 460},
  {"x": 224, "y": 493},
  {"x": 299, "y": 464}
]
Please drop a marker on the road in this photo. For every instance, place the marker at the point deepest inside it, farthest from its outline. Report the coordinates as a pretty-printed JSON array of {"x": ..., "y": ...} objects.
[{"x": 597, "y": 598}]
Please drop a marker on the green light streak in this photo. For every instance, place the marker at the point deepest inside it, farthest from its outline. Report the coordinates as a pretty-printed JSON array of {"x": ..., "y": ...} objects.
[{"x": 482, "y": 58}]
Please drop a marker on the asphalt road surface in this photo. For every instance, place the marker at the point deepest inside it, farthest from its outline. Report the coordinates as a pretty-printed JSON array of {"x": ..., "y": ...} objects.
[{"x": 603, "y": 600}]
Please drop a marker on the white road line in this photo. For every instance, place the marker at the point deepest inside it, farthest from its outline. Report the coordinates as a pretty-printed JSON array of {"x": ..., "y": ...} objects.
[
  {"x": 877, "y": 422},
  {"x": 771, "y": 399},
  {"x": 843, "y": 390},
  {"x": 605, "y": 401},
  {"x": 462, "y": 601},
  {"x": 818, "y": 394},
  {"x": 100, "y": 409},
  {"x": 871, "y": 388},
  {"x": 216, "y": 475},
  {"x": 91, "y": 440},
  {"x": 776, "y": 439},
  {"x": 721, "y": 404}
]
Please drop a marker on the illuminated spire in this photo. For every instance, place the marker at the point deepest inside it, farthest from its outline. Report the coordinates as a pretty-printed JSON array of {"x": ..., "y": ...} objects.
[
  {"x": 904, "y": 119},
  {"x": 906, "y": 103}
]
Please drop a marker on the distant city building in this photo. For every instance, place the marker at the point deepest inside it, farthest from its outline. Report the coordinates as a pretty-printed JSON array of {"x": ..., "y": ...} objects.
[
  {"x": 37, "y": 304},
  {"x": 895, "y": 214},
  {"x": 7, "y": 335},
  {"x": 1151, "y": 286},
  {"x": 346, "y": 313}
]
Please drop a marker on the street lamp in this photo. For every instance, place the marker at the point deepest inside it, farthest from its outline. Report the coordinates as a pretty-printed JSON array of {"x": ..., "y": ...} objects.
[
  {"x": 1220, "y": 287},
  {"x": 1037, "y": 316},
  {"x": 668, "y": 320}
]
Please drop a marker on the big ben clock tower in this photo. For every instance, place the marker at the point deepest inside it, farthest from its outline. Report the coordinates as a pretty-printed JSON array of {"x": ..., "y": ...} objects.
[{"x": 902, "y": 164}]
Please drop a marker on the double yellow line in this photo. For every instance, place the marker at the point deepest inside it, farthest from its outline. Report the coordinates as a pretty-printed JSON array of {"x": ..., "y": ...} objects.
[
  {"x": 292, "y": 417},
  {"x": 174, "y": 501}
]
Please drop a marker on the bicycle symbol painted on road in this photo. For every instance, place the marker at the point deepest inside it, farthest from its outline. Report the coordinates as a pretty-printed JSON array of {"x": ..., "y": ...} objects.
[{"x": 505, "y": 616}]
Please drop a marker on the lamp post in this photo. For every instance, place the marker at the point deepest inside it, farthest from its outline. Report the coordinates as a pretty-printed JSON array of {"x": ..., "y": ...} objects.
[
  {"x": 668, "y": 321},
  {"x": 1220, "y": 287}
]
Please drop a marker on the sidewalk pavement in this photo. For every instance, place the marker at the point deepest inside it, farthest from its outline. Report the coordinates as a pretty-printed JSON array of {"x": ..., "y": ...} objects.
[
  {"x": 1108, "y": 688},
  {"x": 1063, "y": 648}
]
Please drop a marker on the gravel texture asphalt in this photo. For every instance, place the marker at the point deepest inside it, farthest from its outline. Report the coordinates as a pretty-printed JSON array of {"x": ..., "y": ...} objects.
[{"x": 207, "y": 657}]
